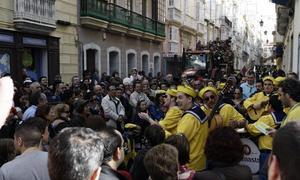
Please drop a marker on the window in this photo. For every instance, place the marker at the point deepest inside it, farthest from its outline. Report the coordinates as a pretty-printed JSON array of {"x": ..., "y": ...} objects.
[
  {"x": 4, "y": 63},
  {"x": 173, "y": 31},
  {"x": 161, "y": 10},
  {"x": 186, "y": 6},
  {"x": 198, "y": 11},
  {"x": 34, "y": 62},
  {"x": 171, "y": 2}
]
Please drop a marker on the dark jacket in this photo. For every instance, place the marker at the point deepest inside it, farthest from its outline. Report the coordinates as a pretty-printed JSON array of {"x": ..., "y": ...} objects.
[
  {"x": 138, "y": 170},
  {"x": 225, "y": 172},
  {"x": 107, "y": 173}
]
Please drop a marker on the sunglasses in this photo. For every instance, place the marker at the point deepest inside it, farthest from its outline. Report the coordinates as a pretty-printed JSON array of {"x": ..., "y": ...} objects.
[
  {"x": 164, "y": 96},
  {"x": 209, "y": 97}
]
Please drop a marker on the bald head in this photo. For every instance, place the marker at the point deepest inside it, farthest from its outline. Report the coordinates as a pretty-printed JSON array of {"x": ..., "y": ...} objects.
[
  {"x": 35, "y": 87},
  {"x": 98, "y": 89}
]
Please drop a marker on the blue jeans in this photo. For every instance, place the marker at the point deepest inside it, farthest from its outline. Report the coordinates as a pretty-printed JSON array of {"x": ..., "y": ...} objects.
[{"x": 263, "y": 170}]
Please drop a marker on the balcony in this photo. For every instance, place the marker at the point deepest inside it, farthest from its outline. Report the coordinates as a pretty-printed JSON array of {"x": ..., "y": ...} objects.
[
  {"x": 35, "y": 15},
  {"x": 100, "y": 14},
  {"x": 189, "y": 24},
  {"x": 282, "y": 19},
  {"x": 200, "y": 28},
  {"x": 175, "y": 16}
]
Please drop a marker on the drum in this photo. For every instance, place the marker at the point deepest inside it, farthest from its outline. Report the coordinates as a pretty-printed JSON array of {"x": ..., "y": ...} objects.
[{"x": 251, "y": 155}]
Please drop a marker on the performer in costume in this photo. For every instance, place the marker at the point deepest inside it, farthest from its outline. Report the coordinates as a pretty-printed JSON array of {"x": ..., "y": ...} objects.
[
  {"x": 256, "y": 104},
  {"x": 226, "y": 114},
  {"x": 193, "y": 125}
]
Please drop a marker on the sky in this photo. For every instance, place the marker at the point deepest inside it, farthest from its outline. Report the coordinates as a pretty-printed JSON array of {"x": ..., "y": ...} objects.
[{"x": 263, "y": 10}]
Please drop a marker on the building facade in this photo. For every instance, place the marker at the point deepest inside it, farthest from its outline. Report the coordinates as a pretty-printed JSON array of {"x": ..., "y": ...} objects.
[
  {"x": 117, "y": 36},
  {"x": 287, "y": 35},
  {"x": 189, "y": 22},
  {"x": 38, "y": 38},
  {"x": 181, "y": 32}
]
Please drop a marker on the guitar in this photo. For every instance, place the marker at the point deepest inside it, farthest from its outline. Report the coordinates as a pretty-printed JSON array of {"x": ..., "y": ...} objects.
[
  {"x": 255, "y": 114},
  {"x": 227, "y": 88}
]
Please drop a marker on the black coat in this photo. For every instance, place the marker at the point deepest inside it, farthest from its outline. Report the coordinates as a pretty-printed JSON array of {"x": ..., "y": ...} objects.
[{"x": 107, "y": 173}]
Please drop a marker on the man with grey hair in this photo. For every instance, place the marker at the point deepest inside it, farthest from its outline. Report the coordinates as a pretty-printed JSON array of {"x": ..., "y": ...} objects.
[
  {"x": 35, "y": 87},
  {"x": 75, "y": 153}
]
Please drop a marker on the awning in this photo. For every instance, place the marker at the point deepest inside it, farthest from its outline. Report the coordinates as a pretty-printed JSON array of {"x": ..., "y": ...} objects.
[{"x": 281, "y": 2}]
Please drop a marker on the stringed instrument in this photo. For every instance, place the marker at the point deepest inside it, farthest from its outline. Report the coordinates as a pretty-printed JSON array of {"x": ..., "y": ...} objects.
[
  {"x": 255, "y": 114},
  {"x": 227, "y": 88}
]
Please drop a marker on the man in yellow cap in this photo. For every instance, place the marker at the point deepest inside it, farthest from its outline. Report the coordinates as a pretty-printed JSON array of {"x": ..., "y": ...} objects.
[
  {"x": 173, "y": 115},
  {"x": 226, "y": 114},
  {"x": 193, "y": 125},
  {"x": 270, "y": 121},
  {"x": 256, "y": 104}
]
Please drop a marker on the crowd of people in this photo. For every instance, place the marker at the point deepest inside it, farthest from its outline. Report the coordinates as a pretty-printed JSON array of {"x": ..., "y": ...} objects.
[{"x": 144, "y": 127}]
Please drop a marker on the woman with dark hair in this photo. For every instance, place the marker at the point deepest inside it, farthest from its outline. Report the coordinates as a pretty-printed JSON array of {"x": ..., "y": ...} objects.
[
  {"x": 224, "y": 150},
  {"x": 183, "y": 147},
  {"x": 141, "y": 107},
  {"x": 238, "y": 100},
  {"x": 46, "y": 113},
  {"x": 61, "y": 120},
  {"x": 156, "y": 110}
]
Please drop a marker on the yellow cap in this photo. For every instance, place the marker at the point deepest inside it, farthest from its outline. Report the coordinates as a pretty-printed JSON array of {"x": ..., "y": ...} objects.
[
  {"x": 221, "y": 85},
  {"x": 172, "y": 92},
  {"x": 160, "y": 92},
  {"x": 208, "y": 88},
  {"x": 278, "y": 80},
  {"x": 270, "y": 78},
  {"x": 187, "y": 90}
]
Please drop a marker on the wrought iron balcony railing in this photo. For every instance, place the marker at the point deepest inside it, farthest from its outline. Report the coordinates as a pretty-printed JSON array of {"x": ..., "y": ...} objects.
[{"x": 113, "y": 13}]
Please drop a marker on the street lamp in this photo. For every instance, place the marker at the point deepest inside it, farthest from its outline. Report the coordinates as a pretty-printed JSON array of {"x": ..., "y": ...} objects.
[{"x": 261, "y": 23}]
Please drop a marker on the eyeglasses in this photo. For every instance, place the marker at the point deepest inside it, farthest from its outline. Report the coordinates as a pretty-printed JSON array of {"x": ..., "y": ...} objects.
[
  {"x": 209, "y": 97},
  {"x": 164, "y": 96},
  {"x": 268, "y": 84},
  {"x": 124, "y": 147}
]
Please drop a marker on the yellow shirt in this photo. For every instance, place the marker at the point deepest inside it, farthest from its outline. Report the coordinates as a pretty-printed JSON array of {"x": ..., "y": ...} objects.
[
  {"x": 228, "y": 112},
  {"x": 264, "y": 141},
  {"x": 196, "y": 133},
  {"x": 169, "y": 123},
  {"x": 292, "y": 115},
  {"x": 256, "y": 98},
  {"x": 222, "y": 119},
  {"x": 286, "y": 110}
]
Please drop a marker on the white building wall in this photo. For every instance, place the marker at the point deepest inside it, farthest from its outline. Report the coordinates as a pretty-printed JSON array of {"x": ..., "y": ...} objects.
[{"x": 296, "y": 31}]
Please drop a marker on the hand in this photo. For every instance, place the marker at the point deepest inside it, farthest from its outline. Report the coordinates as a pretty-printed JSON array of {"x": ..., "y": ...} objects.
[
  {"x": 264, "y": 103},
  {"x": 256, "y": 106},
  {"x": 234, "y": 124},
  {"x": 6, "y": 98},
  {"x": 271, "y": 132},
  {"x": 144, "y": 116},
  {"x": 120, "y": 118}
]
